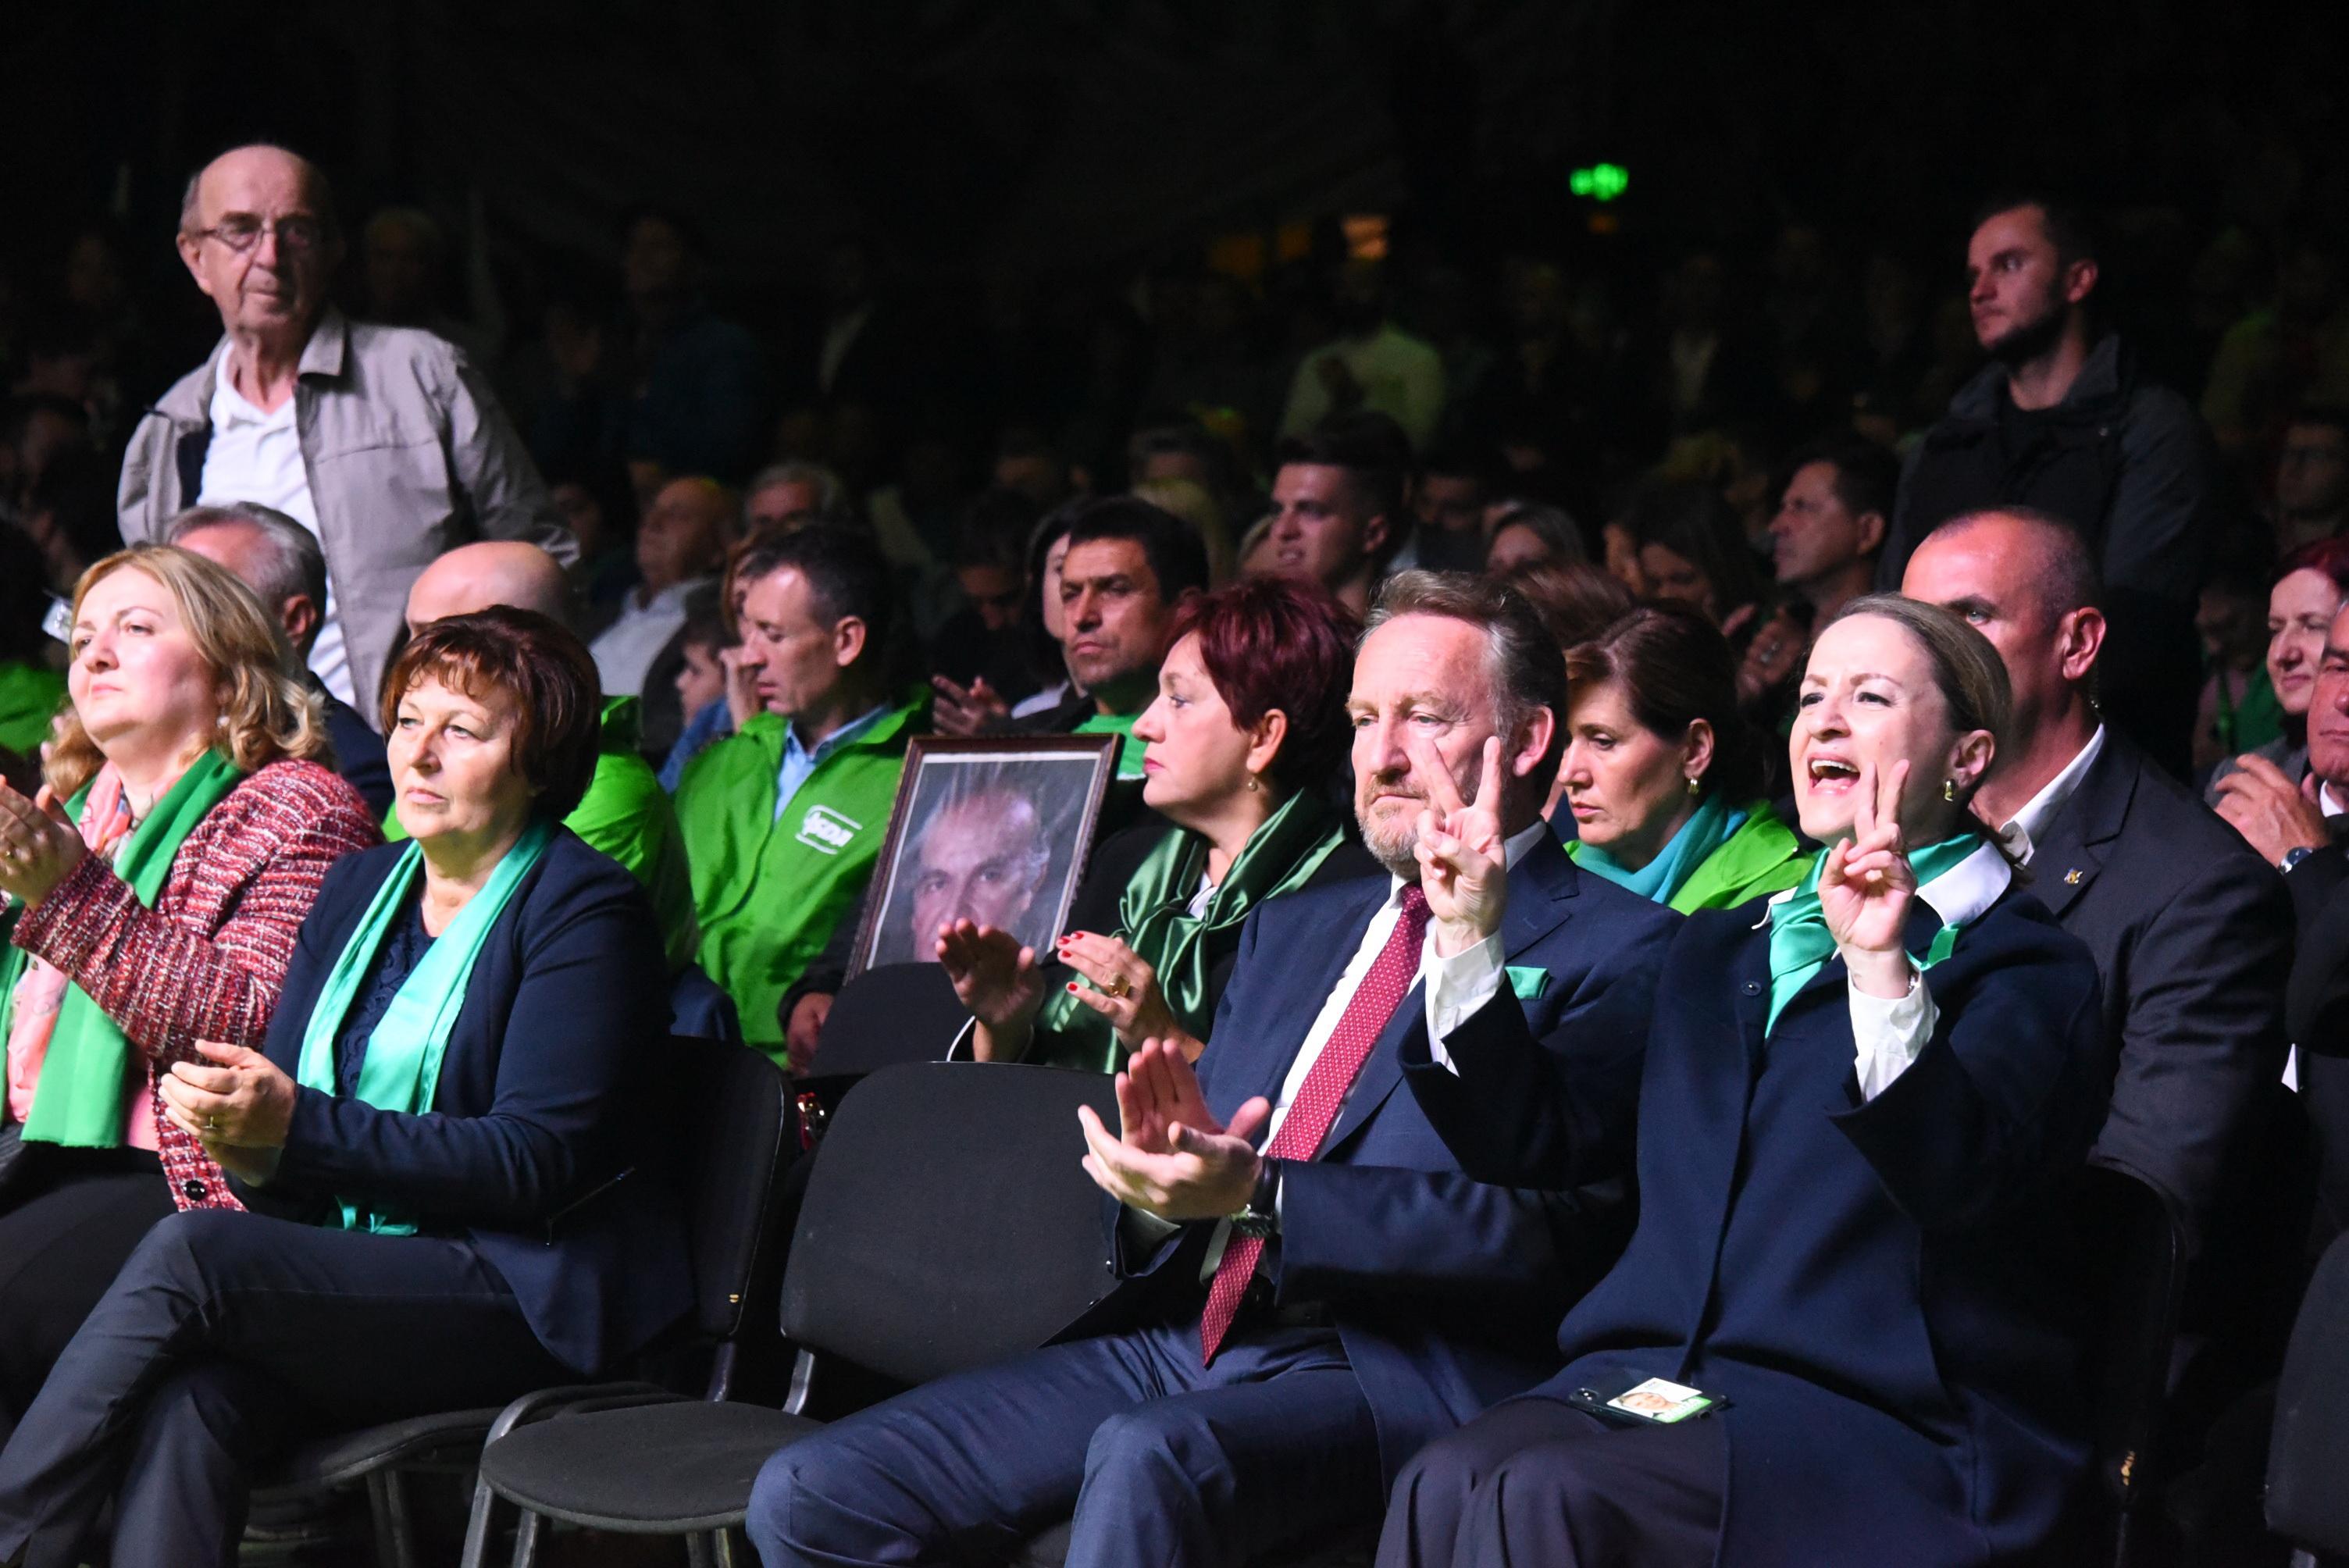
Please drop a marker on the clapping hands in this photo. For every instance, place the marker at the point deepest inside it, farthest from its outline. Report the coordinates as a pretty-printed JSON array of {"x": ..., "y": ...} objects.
[
  {"x": 38, "y": 847},
  {"x": 997, "y": 980},
  {"x": 1170, "y": 1157}
]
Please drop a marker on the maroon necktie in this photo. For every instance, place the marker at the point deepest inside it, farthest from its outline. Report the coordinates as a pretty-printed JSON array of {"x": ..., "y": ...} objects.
[{"x": 1315, "y": 1110}]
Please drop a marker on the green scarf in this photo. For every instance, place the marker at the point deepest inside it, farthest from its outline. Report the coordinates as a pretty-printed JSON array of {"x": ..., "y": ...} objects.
[
  {"x": 402, "y": 1066},
  {"x": 1156, "y": 920},
  {"x": 1800, "y": 945},
  {"x": 79, "y": 1101},
  {"x": 1129, "y": 749},
  {"x": 1707, "y": 829},
  {"x": 1761, "y": 857}
]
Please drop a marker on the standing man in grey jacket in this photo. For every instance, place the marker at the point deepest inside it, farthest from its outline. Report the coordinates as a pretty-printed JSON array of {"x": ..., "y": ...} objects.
[{"x": 384, "y": 442}]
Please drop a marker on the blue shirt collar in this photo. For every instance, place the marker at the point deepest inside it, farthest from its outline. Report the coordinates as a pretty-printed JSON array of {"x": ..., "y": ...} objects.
[{"x": 836, "y": 740}]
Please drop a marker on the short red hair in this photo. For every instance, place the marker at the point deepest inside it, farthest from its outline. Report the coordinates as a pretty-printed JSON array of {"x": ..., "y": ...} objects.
[
  {"x": 535, "y": 661},
  {"x": 1272, "y": 643},
  {"x": 2326, "y": 557}
]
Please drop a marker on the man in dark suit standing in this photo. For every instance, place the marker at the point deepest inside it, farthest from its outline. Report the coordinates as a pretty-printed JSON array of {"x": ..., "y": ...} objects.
[
  {"x": 2192, "y": 933},
  {"x": 1311, "y": 1288}
]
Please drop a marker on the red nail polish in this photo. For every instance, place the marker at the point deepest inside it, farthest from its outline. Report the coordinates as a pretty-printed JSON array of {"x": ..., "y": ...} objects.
[{"x": 1072, "y": 986}]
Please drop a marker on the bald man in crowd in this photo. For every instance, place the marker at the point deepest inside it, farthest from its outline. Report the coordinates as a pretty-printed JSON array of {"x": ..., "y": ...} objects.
[
  {"x": 2192, "y": 933},
  {"x": 625, "y": 813},
  {"x": 383, "y": 441}
]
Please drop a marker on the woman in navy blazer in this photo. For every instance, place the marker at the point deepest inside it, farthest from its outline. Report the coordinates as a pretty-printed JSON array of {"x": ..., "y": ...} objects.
[
  {"x": 453, "y": 1202},
  {"x": 1862, "y": 1106}
]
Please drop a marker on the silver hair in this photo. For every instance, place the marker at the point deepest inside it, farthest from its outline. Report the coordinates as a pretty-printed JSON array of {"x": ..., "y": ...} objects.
[
  {"x": 293, "y": 562},
  {"x": 1525, "y": 666},
  {"x": 831, "y": 489}
]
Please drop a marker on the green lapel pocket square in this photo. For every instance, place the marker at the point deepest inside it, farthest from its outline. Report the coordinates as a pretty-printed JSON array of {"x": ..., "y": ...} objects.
[{"x": 1527, "y": 984}]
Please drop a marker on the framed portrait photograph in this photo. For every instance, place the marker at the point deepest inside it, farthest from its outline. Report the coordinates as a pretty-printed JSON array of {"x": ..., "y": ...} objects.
[{"x": 995, "y": 832}]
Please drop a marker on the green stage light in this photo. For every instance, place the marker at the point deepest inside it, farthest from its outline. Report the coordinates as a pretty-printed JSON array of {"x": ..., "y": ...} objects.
[{"x": 1600, "y": 182}]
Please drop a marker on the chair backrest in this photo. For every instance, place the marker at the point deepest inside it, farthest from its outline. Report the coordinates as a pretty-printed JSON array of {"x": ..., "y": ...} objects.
[
  {"x": 2132, "y": 1261},
  {"x": 739, "y": 1132},
  {"x": 948, "y": 1222},
  {"x": 2307, "y": 1504},
  {"x": 896, "y": 1013},
  {"x": 700, "y": 1006}
]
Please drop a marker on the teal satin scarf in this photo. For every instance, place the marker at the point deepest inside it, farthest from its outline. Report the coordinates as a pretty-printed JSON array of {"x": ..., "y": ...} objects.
[
  {"x": 1800, "y": 945},
  {"x": 1707, "y": 829},
  {"x": 402, "y": 1066}
]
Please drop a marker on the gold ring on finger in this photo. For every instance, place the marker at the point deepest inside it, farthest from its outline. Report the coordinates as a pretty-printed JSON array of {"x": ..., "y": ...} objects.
[{"x": 1119, "y": 988}]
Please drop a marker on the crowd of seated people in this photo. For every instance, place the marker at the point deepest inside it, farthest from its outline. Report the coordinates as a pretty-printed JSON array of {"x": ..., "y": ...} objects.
[{"x": 1614, "y": 938}]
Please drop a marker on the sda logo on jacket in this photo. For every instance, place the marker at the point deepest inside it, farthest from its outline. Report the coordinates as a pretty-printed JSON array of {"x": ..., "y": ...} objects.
[{"x": 825, "y": 829}]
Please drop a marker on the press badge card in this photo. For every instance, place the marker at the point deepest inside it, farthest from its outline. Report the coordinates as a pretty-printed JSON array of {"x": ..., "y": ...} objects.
[{"x": 1662, "y": 1402}]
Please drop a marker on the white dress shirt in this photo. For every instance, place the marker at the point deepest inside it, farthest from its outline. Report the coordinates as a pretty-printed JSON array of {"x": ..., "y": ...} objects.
[
  {"x": 2024, "y": 830},
  {"x": 1890, "y": 1033},
  {"x": 1454, "y": 988},
  {"x": 625, "y": 650},
  {"x": 257, "y": 457}
]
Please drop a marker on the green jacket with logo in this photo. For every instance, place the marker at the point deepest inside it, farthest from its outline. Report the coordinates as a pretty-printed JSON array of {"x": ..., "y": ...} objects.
[{"x": 768, "y": 891}]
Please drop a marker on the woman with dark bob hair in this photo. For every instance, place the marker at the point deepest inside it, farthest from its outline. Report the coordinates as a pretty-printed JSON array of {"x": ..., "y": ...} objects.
[
  {"x": 1247, "y": 733},
  {"x": 1662, "y": 776},
  {"x": 432, "y": 1140}
]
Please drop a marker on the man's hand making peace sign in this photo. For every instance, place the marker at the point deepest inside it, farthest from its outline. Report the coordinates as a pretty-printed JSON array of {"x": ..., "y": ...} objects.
[{"x": 1463, "y": 867}]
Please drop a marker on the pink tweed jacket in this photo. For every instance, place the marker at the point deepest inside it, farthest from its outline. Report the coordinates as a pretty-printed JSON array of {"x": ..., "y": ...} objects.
[{"x": 206, "y": 962}]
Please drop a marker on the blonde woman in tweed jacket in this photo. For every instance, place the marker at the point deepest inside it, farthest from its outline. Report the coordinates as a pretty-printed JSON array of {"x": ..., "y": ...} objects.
[{"x": 155, "y": 887}]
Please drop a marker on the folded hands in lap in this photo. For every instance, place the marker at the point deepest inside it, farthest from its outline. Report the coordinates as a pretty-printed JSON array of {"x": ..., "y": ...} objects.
[{"x": 236, "y": 1103}]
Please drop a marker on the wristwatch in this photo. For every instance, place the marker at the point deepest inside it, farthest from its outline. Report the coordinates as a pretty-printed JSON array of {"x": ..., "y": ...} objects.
[
  {"x": 2293, "y": 856},
  {"x": 1261, "y": 1218}
]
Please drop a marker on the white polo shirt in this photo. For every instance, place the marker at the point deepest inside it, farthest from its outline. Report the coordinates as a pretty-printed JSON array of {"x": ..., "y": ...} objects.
[{"x": 257, "y": 457}]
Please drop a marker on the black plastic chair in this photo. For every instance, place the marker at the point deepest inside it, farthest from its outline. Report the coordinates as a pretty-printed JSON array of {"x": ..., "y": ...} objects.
[
  {"x": 732, "y": 1119},
  {"x": 897, "y": 1013},
  {"x": 947, "y": 1225},
  {"x": 2306, "y": 1503},
  {"x": 2133, "y": 1260}
]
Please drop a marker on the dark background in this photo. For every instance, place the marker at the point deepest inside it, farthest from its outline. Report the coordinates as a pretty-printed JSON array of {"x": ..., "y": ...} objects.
[{"x": 980, "y": 140}]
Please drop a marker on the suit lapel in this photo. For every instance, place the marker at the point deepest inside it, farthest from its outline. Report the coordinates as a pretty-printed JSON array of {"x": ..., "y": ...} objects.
[
  {"x": 1541, "y": 888},
  {"x": 2064, "y": 865},
  {"x": 1540, "y": 885}
]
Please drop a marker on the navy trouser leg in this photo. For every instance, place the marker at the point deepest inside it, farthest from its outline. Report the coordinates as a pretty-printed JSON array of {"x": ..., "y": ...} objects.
[
  {"x": 1219, "y": 1475},
  {"x": 971, "y": 1464},
  {"x": 204, "y": 1429},
  {"x": 1431, "y": 1495},
  {"x": 1127, "y": 1430},
  {"x": 345, "y": 1328},
  {"x": 1643, "y": 1496}
]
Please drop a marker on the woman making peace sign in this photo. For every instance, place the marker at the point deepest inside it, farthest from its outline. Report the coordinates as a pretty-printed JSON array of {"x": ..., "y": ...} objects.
[{"x": 1861, "y": 1104}]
